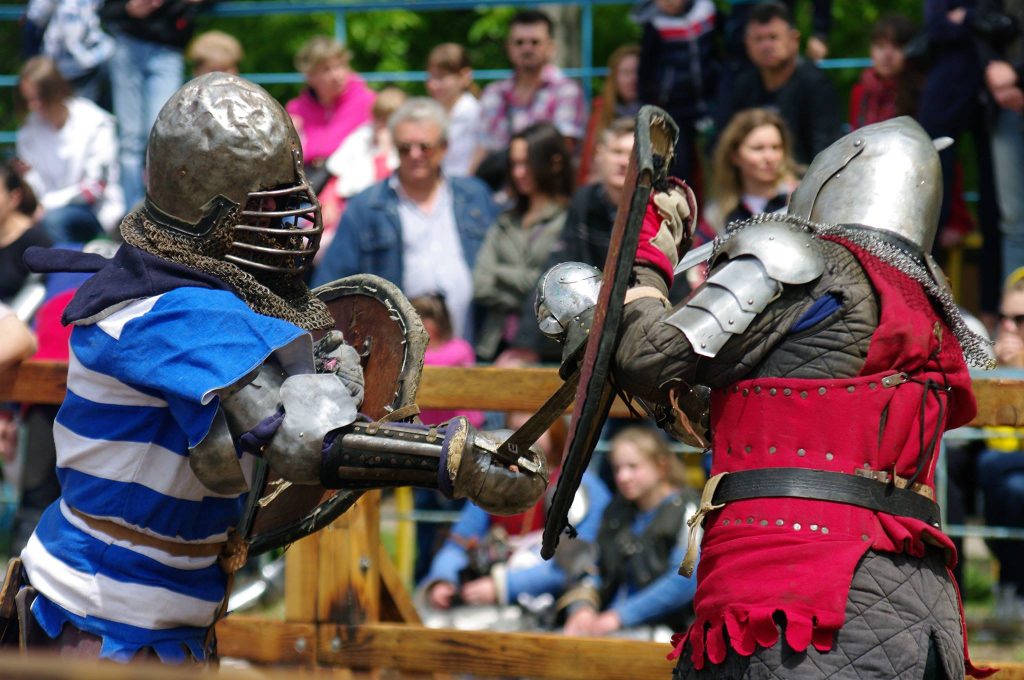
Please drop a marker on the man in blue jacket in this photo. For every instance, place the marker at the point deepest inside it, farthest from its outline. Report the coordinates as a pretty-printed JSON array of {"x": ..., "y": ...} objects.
[{"x": 418, "y": 228}]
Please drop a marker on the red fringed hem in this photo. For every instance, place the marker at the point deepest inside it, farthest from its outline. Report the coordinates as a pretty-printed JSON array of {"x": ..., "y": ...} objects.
[{"x": 747, "y": 630}]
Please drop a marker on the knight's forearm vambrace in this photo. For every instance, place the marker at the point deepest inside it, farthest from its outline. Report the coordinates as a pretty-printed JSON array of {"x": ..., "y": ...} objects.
[{"x": 370, "y": 455}]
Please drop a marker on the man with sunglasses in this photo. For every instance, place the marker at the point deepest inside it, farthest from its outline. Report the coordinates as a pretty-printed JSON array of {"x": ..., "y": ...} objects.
[
  {"x": 418, "y": 229},
  {"x": 536, "y": 92}
]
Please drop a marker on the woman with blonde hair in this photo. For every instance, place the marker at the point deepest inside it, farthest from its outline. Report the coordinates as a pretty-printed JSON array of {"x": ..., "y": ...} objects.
[
  {"x": 754, "y": 171},
  {"x": 619, "y": 98},
  {"x": 634, "y": 580},
  {"x": 334, "y": 104}
]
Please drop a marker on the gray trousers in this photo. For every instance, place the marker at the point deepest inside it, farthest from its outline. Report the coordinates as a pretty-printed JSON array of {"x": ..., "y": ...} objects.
[{"x": 902, "y": 621}]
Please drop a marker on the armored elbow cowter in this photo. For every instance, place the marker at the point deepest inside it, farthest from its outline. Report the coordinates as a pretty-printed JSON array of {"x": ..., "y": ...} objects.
[{"x": 291, "y": 414}]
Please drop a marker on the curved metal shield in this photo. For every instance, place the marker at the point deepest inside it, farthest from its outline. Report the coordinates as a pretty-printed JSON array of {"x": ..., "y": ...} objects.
[
  {"x": 656, "y": 135},
  {"x": 380, "y": 323}
]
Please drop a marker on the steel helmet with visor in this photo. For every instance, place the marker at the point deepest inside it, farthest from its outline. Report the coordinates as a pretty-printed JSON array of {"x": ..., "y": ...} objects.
[{"x": 223, "y": 154}]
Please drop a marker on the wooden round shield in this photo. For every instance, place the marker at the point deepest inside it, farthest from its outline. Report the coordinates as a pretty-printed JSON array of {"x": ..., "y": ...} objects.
[{"x": 380, "y": 323}]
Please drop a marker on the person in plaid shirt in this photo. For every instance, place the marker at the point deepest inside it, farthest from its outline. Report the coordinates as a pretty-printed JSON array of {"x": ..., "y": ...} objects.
[{"x": 537, "y": 92}]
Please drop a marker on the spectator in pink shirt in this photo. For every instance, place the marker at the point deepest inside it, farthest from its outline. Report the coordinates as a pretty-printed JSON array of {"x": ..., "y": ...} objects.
[
  {"x": 336, "y": 102},
  {"x": 445, "y": 349}
]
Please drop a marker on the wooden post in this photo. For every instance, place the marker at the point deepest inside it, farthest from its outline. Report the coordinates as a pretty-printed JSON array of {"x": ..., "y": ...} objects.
[
  {"x": 349, "y": 574},
  {"x": 300, "y": 580}
]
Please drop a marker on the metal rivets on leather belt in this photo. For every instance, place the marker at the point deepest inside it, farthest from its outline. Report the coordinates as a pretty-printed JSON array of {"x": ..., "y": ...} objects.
[{"x": 826, "y": 486}]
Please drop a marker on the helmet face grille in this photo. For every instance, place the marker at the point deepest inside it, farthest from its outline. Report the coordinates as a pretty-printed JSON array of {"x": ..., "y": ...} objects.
[{"x": 279, "y": 231}]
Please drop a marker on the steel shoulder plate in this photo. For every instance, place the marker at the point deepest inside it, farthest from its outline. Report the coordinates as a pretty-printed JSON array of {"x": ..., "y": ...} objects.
[
  {"x": 725, "y": 305},
  {"x": 787, "y": 252}
]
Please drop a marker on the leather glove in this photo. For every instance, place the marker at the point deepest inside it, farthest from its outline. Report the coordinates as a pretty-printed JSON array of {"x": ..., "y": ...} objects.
[
  {"x": 332, "y": 355},
  {"x": 668, "y": 227},
  {"x": 470, "y": 469}
]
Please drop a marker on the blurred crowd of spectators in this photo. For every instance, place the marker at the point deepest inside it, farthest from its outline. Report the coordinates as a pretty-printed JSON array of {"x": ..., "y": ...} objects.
[{"x": 464, "y": 197}]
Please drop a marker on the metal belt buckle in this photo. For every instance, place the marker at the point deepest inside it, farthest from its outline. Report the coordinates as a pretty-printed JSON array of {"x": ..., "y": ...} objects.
[
  {"x": 895, "y": 379},
  {"x": 877, "y": 475}
]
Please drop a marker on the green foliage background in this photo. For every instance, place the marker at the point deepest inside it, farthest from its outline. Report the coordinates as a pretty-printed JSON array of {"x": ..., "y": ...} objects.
[{"x": 399, "y": 40}]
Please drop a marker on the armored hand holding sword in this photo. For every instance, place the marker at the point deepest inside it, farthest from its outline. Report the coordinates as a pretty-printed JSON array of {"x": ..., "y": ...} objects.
[
  {"x": 193, "y": 379},
  {"x": 834, "y": 357}
]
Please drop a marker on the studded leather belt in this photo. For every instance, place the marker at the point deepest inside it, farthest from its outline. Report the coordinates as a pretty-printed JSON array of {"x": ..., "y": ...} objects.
[{"x": 867, "y": 491}]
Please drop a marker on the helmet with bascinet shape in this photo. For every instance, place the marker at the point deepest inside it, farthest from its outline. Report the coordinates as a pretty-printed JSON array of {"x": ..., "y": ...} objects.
[
  {"x": 885, "y": 177},
  {"x": 224, "y": 155}
]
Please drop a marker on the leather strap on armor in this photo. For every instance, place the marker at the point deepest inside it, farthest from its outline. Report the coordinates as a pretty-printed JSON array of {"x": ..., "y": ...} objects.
[
  {"x": 827, "y": 486},
  {"x": 122, "y": 533},
  {"x": 870, "y": 490}
]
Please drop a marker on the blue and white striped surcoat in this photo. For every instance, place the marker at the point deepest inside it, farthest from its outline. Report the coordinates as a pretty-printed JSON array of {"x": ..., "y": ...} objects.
[{"x": 142, "y": 382}]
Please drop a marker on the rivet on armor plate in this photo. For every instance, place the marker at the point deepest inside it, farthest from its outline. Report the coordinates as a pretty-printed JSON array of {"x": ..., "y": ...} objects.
[
  {"x": 822, "y": 390},
  {"x": 772, "y": 391},
  {"x": 771, "y": 238},
  {"x": 731, "y": 322},
  {"x": 796, "y": 526},
  {"x": 801, "y": 452},
  {"x": 703, "y": 345},
  {"x": 813, "y": 527},
  {"x": 771, "y": 449},
  {"x": 779, "y": 522},
  {"x": 829, "y": 456},
  {"x": 750, "y": 301},
  {"x": 745, "y": 391},
  {"x": 803, "y": 394},
  {"x": 851, "y": 388},
  {"x": 824, "y": 530},
  {"x": 764, "y": 522},
  {"x": 757, "y": 390},
  {"x": 787, "y": 391}
]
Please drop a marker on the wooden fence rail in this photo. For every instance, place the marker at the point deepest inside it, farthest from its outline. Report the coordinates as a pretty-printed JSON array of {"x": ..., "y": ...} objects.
[{"x": 1000, "y": 401}]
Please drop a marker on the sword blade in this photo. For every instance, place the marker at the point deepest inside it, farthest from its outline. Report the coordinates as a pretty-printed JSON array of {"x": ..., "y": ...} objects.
[{"x": 526, "y": 436}]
